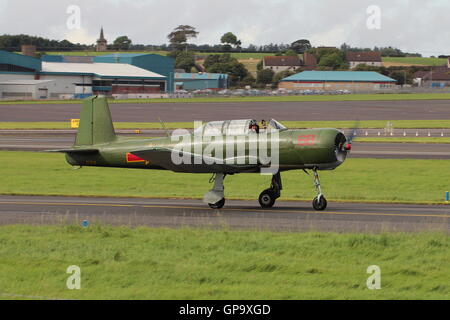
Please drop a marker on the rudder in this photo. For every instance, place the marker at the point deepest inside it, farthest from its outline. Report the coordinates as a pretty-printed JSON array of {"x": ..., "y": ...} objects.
[{"x": 96, "y": 125}]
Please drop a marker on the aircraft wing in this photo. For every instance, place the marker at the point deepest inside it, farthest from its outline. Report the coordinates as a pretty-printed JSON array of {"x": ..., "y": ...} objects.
[
  {"x": 79, "y": 151},
  {"x": 197, "y": 163}
]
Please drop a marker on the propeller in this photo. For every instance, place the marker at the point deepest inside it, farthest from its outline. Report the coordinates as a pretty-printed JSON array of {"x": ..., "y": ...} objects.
[
  {"x": 351, "y": 136},
  {"x": 344, "y": 143}
]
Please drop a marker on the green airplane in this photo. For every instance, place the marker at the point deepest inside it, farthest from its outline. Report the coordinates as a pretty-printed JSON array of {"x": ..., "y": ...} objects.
[{"x": 219, "y": 147}]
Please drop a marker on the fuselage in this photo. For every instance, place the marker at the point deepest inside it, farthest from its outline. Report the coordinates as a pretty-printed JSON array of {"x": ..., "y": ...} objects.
[{"x": 296, "y": 149}]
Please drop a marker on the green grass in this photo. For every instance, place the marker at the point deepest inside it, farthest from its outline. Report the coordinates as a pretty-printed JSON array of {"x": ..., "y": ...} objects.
[
  {"x": 406, "y": 139},
  {"x": 371, "y": 180},
  {"x": 307, "y": 98},
  {"x": 365, "y": 124},
  {"x": 144, "y": 263},
  {"x": 416, "y": 60}
]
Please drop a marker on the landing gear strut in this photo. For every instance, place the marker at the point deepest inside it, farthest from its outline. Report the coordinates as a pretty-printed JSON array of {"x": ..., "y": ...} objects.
[
  {"x": 268, "y": 197},
  {"x": 319, "y": 203},
  {"x": 215, "y": 197}
]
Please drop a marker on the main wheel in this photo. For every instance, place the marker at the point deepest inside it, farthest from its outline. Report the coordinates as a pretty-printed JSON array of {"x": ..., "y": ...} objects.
[
  {"x": 218, "y": 205},
  {"x": 319, "y": 204},
  {"x": 267, "y": 198}
]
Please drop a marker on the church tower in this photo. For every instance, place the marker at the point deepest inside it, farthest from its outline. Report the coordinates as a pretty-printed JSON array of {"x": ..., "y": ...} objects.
[{"x": 102, "y": 44}]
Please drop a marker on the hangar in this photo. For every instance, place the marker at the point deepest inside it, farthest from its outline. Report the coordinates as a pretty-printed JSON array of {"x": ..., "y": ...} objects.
[
  {"x": 337, "y": 80},
  {"x": 118, "y": 75}
]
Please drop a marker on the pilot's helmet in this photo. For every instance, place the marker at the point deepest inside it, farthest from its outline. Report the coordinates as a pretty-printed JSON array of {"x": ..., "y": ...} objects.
[{"x": 253, "y": 123}]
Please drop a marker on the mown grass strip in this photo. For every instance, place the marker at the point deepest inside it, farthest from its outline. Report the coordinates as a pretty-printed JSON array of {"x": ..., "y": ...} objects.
[
  {"x": 372, "y": 180},
  {"x": 365, "y": 124},
  {"x": 307, "y": 98}
]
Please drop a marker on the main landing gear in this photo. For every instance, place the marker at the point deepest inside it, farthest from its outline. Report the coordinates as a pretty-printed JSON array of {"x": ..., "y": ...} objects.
[
  {"x": 319, "y": 203},
  {"x": 268, "y": 197},
  {"x": 215, "y": 197}
]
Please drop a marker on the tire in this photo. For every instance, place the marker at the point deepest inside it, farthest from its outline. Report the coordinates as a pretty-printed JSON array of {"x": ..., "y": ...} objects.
[
  {"x": 319, "y": 205},
  {"x": 217, "y": 205},
  {"x": 267, "y": 198}
]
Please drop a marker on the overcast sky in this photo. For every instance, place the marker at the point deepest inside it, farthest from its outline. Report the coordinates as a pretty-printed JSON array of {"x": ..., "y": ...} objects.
[{"x": 411, "y": 25}]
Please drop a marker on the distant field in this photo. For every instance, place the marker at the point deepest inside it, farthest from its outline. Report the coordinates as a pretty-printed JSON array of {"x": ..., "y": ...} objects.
[
  {"x": 416, "y": 60},
  {"x": 368, "y": 124},
  {"x": 237, "y": 55},
  {"x": 158, "y": 263},
  {"x": 300, "y": 98},
  {"x": 372, "y": 180}
]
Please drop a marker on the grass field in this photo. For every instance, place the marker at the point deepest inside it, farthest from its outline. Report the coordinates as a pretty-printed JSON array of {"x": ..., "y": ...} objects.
[
  {"x": 371, "y": 180},
  {"x": 416, "y": 60},
  {"x": 367, "y": 124},
  {"x": 143, "y": 263},
  {"x": 308, "y": 98}
]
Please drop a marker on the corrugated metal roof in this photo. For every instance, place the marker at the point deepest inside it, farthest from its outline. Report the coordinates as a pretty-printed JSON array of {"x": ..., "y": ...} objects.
[
  {"x": 110, "y": 70},
  {"x": 20, "y": 60},
  {"x": 354, "y": 76},
  {"x": 200, "y": 76}
]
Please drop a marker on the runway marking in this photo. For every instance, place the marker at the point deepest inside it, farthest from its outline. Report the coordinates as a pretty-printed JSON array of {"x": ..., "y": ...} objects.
[{"x": 230, "y": 209}]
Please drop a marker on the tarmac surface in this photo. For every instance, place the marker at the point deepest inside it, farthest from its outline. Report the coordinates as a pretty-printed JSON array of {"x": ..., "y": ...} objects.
[
  {"x": 176, "y": 213},
  {"x": 181, "y": 112},
  {"x": 39, "y": 140}
]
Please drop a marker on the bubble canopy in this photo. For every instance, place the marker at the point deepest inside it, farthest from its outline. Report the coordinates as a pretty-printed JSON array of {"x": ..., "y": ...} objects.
[{"x": 236, "y": 127}]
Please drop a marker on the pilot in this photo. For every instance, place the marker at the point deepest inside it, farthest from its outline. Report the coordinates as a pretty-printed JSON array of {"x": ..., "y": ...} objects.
[
  {"x": 254, "y": 127},
  {"x": 263, "y": 124}
]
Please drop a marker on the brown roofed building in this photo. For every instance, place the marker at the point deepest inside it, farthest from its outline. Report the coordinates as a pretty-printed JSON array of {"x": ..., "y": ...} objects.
[
  {"x": 281, "y": 63},
  {"x": 309, "y": 61},
  {"x": 369, "y": 58}
]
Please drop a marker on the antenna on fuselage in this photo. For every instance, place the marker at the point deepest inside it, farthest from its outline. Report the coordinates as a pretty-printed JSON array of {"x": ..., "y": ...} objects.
[{"x": 164, "y": 127}]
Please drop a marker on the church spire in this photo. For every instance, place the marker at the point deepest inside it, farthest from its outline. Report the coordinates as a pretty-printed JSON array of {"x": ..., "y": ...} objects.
[{"x": 102, "y": 37}]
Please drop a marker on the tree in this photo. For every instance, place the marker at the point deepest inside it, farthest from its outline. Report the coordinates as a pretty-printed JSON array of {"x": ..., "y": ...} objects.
[
  {"x": 264, "y": 76},
  {"x": 185, "y": 60},
  {"x": 281, "y": 75},
  {"x": 300, "y": 46},
  {"x": 122, "y": 43},
  {"x": 229, "y": 40},
  {"x": 179, "y": 37},
  {"x": 291, "y": 53},
  {"x": 224, "y": 63}
]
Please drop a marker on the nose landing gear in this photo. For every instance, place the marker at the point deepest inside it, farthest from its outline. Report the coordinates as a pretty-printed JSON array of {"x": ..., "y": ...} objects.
[{"x": 319, "y": 203}]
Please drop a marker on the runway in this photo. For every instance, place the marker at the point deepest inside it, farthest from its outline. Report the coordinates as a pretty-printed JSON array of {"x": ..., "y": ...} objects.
[
  {"x": 208, "y": 111},
  {"x": 176, "y": 213},
  {"x": 39, "y": 140}
]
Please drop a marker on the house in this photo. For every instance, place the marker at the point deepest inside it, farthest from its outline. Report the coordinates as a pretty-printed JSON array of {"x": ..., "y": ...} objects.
[
  {"x": 281, "y": 63},
  {"x": 436, "y": 77},
  {"x": 369, "y": 58}
]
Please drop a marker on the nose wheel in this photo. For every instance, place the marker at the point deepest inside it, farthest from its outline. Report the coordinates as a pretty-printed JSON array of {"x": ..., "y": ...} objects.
[{"x": 319, "y": 203}]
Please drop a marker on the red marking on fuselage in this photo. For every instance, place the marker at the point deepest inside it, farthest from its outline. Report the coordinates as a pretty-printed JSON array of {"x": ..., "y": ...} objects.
[
  {"x": 132, "y": 158},
  {"x": 307, "y": 140}
]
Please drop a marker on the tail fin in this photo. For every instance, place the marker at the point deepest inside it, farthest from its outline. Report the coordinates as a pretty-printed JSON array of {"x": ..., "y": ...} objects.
[{"x": 96, "y": 125}]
